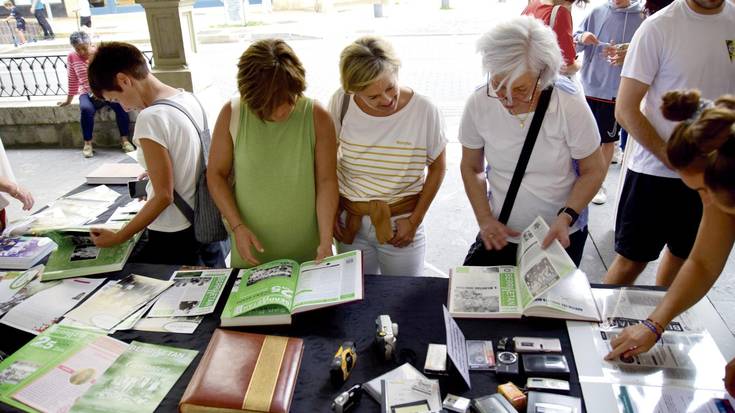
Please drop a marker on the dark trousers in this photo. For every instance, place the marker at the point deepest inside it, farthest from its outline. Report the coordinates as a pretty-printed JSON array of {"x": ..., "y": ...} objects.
[
  {"x": 180, "y": 248},
  {"x": 88, "y": 106},
  {"x": 479, "y": 256},
  {"x": 41, "y": 17}
]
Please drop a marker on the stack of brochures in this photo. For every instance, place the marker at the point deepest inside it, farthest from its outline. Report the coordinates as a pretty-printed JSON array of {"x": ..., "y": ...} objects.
[{"x": 21, "y": 253}]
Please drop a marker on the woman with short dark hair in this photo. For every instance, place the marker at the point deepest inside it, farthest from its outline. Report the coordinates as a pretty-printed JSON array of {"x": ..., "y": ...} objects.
[{"x": 279, "y": 147}]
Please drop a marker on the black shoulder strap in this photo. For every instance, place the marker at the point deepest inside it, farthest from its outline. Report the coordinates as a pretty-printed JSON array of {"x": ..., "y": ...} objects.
[
  {"x": 345, "y": 105},
  {"x": 533, "y": 130},
  {"x": 185, "y": 208}
]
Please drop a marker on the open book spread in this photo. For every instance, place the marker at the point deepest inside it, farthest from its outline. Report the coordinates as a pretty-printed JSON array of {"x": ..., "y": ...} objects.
[
  {"x": 545, "y": 283},
  {"x": 270, "y": 293}
]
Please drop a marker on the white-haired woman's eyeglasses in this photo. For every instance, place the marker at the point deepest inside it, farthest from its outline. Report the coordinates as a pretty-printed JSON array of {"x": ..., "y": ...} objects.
[{"x": 519, "y": 94}]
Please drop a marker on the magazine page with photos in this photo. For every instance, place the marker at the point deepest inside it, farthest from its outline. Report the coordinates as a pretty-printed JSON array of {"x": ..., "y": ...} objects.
[
  {"x": 51, "y": 300},
  {"x": 336, "y": 279},
  {"x": 540, "y": 269},
  {"x": 117, "y": 300},
  {"x": 571, "y": 299},
  {"x": 484, "y": 292},
  {"x": 271, "y": 284},
  {"x": 14, "y": 287},
  {"x": 192, "y": 293},
  {"x": 43, "y": 353},
  {"x": 137, "y": 381}
]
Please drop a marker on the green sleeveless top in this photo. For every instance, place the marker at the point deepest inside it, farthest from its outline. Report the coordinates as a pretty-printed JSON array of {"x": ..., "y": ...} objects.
[{"x": 275, "y": 187}]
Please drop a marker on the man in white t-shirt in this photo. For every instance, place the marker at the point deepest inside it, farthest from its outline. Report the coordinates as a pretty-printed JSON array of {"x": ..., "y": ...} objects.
[
  {"x": 683, "y": 46},
  {"x": 169, "y": 150}
]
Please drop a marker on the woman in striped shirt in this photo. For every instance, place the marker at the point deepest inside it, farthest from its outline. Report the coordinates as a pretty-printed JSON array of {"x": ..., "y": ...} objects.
[
  {"x": 387, "y": 135},
  {"x": 77, "y": 63}
]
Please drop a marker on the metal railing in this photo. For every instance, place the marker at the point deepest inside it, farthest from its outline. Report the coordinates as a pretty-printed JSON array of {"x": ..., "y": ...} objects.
[{"x": 42, "y": 75}]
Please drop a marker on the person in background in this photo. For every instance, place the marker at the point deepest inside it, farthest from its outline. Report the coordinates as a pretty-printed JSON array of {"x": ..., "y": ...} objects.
[
  {"x": 702, "y": 151},
  {"x": 76, "y": 63},
  {"x": 10, "y": 186},
  {"x": 603, "y": 36},
  {"x": 20, "y": 22},
  {"x": 169, "y": 150},
  {"x": 389, "y": 135},
  {"x": 38, "y": 7},
  {"x": 85, "y": 14},
  {"x": 282, "y": 157},
  {"x": 656, "y": 210},
  {"x": 522, "y": 59},
  {"x": 557, "y": 14}
]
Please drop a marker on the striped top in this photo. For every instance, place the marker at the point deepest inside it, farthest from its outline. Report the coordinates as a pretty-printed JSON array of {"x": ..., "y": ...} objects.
[
  {"x": 384, "y": 158},
  {"x": 77, "y": 68}
]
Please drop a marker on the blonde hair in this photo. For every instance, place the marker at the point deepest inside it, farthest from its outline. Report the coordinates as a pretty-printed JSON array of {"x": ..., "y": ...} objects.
[
  {"x": 270, "y": 74},
  {"x": 364, "y": 60}
]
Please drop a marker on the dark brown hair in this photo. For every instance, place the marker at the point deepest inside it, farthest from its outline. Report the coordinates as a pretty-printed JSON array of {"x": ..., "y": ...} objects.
[
  {"x": 110, "y": 59},
  {"x": 270, "y": 74},
  {"x": 650, "y": 7},
  {"x": 705, "y": 139}
]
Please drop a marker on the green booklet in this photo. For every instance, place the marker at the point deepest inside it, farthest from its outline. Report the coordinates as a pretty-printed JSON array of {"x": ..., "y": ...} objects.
[
  {"x": 270, "y": 293},
  {"x": 77, "y": 256},
  {"x": 41, "y": 355},
  {"x": 137, "y": 381},
  {"x": 545, "y": 283}
]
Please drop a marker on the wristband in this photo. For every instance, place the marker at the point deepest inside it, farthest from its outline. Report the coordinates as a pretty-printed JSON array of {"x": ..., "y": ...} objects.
[
  {"x": 235, "y": 227},
  {"x": 572, "y": 214},
  {"x": 649, "y": 324},
  {"x": 658, "y": 326}
]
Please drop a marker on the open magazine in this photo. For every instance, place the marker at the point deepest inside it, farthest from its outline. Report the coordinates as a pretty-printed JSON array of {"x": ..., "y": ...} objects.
[
  {"x": 545, "y": 283},
  {"x": 270, "y": 293}
]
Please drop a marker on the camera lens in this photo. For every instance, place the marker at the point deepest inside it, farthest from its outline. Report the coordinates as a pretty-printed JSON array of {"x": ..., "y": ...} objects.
[{"x": 507, "y": 357}]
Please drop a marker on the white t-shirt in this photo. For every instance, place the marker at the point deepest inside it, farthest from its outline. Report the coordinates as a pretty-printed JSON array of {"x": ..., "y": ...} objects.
[
  {"x": 170, "y": 128},
  {"x": 678, "y": 48},
  {"x": 568, "y": 132},
  {"x": 384, "y": 158}
]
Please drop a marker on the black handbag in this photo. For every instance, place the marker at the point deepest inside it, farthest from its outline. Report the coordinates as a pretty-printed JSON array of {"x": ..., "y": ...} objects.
[{"x": 477, "y": 254}]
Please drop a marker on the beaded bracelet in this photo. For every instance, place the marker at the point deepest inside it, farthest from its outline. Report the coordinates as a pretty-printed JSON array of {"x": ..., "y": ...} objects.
[{"x": 649, "y": 324}]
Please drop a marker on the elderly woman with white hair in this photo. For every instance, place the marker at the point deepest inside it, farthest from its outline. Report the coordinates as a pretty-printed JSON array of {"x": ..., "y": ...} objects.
[{"x": 526, "y": 105}]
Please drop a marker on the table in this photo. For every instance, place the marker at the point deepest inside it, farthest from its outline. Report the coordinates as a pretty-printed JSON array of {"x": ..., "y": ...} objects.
[{"x": 415, "y": 303}]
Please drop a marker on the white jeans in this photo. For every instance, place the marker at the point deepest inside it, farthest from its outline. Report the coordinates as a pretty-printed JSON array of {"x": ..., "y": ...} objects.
[{"x": 385, "y": 258}]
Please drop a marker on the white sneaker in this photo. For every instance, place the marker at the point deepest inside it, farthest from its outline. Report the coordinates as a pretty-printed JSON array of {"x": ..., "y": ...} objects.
[
  {"x": 87, "y": 151},
  {"x": 601, "y": 196},
  {"x": 617, "y": 155}
]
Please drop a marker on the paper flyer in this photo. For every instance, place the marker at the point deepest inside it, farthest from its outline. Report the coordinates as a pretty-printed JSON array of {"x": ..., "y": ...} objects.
[{"x": 192, "y": 293}]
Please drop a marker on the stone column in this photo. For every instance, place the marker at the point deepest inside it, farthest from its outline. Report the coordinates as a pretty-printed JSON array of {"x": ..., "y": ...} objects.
[{"x": 173, "y": 40}]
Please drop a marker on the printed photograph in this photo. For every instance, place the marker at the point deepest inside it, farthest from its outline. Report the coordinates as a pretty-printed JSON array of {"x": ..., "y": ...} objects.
[
  {"x": 474, "y": 300},
  {"x": 279, "y": 270},
  {"x": 541, "y": 276},
  {"x": 17, "y": 372},
  {"x": 84, "y": 248}
]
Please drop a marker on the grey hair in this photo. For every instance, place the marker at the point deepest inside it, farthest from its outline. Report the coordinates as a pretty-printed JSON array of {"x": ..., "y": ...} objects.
[
  {"x": 518, "y": 45},
  {"x": 79, "y": 38}
]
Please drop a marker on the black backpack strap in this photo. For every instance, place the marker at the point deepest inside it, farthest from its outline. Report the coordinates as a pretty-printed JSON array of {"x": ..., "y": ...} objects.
[
  {"x": 179, "y": 201},
  {"x": 533, "y": 131}
]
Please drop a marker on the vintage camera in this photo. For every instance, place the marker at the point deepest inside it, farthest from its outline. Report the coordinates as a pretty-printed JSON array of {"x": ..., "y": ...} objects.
[
  {"x": 342, "y": 363},
  {"x": 347, "y": 400},
  {"x": 507, "y": 363},
  {"x": 386, "y": 336}
]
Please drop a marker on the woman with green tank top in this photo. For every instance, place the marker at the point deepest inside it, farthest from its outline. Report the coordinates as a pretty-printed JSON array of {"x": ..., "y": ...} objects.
[{"x": 282, "y": 158}]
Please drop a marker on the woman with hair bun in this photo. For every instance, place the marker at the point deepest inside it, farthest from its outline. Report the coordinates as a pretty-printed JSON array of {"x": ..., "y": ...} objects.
[{"x": 702, "y": 149}]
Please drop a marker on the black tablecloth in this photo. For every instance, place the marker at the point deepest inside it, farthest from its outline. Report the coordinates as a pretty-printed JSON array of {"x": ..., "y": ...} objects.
[{"x": 415, "y": 303}]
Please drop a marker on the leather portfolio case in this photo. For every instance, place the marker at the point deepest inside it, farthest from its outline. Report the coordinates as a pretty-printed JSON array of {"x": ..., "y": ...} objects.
[{"x": 244, "y": 372}]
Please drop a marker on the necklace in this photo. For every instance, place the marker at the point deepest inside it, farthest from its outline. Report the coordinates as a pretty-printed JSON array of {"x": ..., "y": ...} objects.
[{"x": 521, "y": 120}]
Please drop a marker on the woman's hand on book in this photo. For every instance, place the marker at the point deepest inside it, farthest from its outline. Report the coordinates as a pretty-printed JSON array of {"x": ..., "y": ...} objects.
[
  {"x": 633, "y": 340},
  {"x": 559, "y": 230},
  {"x": 495, "y": 235},
  {"x": 322, "y": 252},
  {"x": 245, "y": 240},
  {"x": 104, "y": 238}
]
